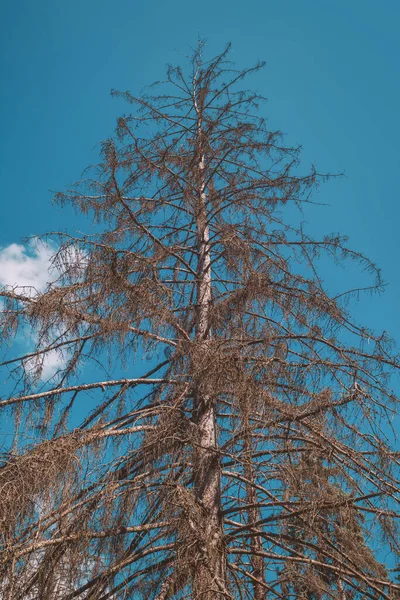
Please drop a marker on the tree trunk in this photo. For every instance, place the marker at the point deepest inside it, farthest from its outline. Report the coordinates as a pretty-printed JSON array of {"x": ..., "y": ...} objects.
[{"x": 210, "y": 573}]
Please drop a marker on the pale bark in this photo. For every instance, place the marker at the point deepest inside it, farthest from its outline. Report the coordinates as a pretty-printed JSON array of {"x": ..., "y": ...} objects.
[
  {"x": 84, "y": 387},
  {"x": 210, "y": 577}
]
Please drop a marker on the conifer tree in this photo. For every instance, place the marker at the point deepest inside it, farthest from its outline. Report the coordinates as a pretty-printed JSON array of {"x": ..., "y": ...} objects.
[{"x": 220, "y": 427}]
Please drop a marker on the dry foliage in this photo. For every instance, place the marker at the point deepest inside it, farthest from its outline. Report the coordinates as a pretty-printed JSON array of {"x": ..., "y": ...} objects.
[{"x": 252, "y": 459}]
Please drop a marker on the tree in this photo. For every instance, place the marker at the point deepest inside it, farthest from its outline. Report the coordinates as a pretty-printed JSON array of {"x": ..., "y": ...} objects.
[{"x": 251, "y": 457}]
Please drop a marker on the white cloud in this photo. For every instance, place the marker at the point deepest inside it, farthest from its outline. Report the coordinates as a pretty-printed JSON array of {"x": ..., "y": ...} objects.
[
  {"x": 30, "y": 266},
  {"x": 52, "y": 362},
  {"x": 25, "y": 265},
  {"x": 49, "y": 363}
]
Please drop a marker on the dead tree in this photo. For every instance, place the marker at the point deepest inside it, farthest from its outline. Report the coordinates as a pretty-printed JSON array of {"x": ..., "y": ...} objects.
[{"x": 220, "y": 425}]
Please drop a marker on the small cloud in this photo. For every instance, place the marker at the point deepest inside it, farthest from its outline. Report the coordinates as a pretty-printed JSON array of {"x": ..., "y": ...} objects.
[
  {"x": 47, "y": 365},
  {"x": 51, "y": 363},
  {"x": 26, "y": 266},
  {"x": 30, "y": 266}
]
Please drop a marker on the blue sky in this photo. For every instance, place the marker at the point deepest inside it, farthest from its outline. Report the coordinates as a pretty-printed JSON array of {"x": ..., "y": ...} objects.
[{"x": 332, "y": 81}]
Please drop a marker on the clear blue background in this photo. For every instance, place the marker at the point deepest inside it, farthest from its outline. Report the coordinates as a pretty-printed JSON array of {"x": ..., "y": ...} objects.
[{"x": 332, "y": 80}]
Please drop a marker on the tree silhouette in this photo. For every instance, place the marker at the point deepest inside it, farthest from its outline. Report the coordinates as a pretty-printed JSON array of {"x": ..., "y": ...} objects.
[{"x": 237, "y": 445}]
